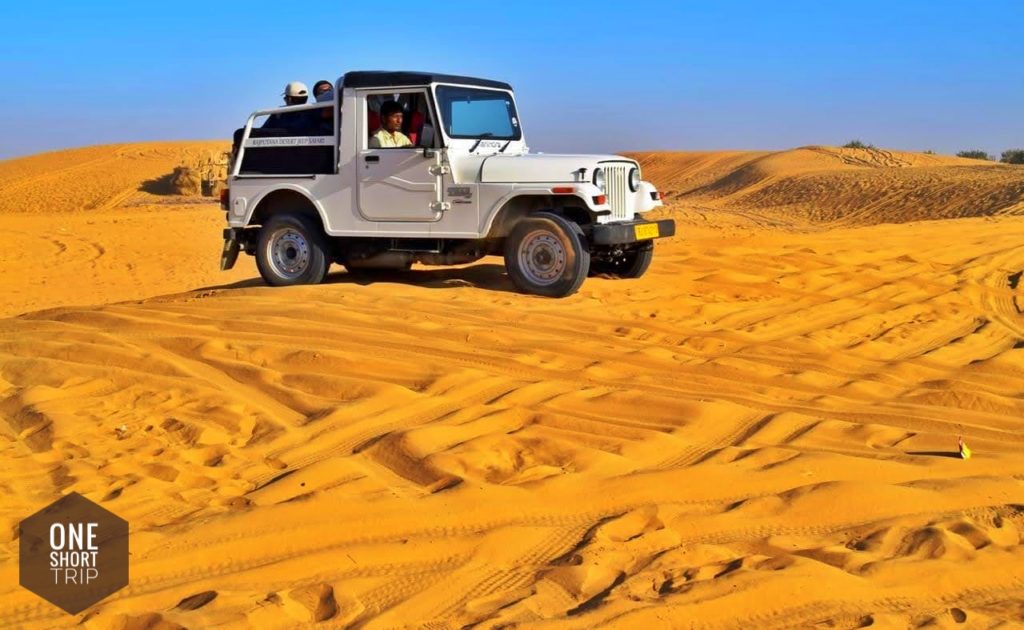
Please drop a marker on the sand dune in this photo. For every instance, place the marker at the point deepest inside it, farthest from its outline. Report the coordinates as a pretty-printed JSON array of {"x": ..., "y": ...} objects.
[
  {"x": 98, "y": 225},
  {"x": 96, "y": 178},
  {"x": 836, "y": 185},
  {"x": 759, "y": 433}
]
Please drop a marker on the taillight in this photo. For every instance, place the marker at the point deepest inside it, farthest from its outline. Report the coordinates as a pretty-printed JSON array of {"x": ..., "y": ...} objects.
[
  {"x": 224, "y": 196},
  {"x": 563, "y": 190}
]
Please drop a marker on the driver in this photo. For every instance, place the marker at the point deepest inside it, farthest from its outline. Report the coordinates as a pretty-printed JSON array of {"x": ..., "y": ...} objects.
[{"x": 390, "y": 136}]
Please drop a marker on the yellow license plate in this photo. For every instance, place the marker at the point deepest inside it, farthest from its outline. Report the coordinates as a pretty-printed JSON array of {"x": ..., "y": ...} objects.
[{"x": 645, "y": 231}]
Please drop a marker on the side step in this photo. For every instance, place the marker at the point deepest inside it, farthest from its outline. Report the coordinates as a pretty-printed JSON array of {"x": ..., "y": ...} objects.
[{"x": 416, "y": 245}]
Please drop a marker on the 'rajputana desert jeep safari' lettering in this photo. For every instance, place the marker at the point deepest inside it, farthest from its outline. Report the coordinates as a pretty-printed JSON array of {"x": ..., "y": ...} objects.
[{"x": 404, "y": 167}]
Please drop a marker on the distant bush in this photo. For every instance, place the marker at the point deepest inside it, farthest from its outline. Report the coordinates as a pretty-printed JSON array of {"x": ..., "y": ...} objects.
[
  {"x": 857, "y": 144},
  {"x": 974, "y": 154},
  {"x": 1013, "y": 156},
  {"x": 929, "y": 152}
]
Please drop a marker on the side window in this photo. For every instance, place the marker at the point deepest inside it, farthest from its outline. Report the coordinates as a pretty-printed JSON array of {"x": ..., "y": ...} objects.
[{"x": 401, "y": 120}]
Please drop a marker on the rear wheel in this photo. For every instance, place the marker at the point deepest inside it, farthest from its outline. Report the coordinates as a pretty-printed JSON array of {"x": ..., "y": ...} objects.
[
  {"x": 631, "y": 263},
  {"x": 547, "y": 255},
  {"x": 292, "y": 249}
]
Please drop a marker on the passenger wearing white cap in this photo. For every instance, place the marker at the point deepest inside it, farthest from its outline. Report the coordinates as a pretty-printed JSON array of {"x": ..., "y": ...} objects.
[{"x": 295, "y": 93}]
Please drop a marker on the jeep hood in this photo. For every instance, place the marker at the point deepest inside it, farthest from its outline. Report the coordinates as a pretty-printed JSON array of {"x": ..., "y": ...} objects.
[{"x": 516, "y": 169}]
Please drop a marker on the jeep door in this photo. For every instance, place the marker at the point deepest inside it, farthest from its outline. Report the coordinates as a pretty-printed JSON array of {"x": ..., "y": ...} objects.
[{"x": 399, "y": 184}]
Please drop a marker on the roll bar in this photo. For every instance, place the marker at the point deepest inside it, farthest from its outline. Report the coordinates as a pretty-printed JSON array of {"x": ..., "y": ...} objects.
[{"x": 294, "y": 140}]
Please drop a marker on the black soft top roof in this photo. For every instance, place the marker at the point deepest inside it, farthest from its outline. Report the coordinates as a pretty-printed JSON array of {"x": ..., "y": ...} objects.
[{"x": 377, "y": 78}]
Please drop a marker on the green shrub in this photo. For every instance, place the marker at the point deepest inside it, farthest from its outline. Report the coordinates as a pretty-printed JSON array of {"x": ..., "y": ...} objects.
[
  {"x": 929, "y": 152},
  {"x": 974, "y": 154},
  {"x": 1013, "y": 156},
  {"x": 857, "y": 144}
]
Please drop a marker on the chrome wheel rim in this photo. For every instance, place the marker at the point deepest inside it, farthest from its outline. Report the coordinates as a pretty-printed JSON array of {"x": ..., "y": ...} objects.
[
  {"x": 542, "y": 257},
  {"x": 289, "y": 253}
]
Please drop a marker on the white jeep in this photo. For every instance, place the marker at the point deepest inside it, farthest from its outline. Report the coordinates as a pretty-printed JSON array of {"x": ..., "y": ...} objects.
[{"x": 306, "y": 189}]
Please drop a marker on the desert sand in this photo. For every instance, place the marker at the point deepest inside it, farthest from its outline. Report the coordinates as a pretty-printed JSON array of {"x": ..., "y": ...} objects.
[{"x": 759, "y": 433}]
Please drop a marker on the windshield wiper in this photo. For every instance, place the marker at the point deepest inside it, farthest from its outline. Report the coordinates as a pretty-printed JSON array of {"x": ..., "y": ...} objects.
[
  {"x": 505, "y": 146},
  {"x": 479, "y": 140}
]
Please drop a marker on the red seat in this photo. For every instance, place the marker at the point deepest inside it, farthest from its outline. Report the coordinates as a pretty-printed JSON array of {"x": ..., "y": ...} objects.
[{"x": 416, "y": 121}]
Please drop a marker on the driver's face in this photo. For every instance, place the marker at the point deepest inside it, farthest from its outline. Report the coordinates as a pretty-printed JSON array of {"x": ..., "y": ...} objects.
[{"x": 393, "y": 122}]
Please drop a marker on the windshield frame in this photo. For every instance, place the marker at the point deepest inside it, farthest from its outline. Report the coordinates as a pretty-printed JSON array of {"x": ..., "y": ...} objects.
[{"x": 514, "y": 119}]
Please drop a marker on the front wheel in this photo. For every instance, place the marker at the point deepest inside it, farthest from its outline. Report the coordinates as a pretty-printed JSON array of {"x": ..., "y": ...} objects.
[
  {"x": 292, "y": 250},
  {"x": 631, "y": 263},
  {"x": 547, "y": 255}
]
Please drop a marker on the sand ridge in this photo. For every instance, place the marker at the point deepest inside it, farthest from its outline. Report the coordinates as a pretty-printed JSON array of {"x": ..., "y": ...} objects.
[
  {"x": 759, "y": 433},
  {"x": 839, "y": 185}
]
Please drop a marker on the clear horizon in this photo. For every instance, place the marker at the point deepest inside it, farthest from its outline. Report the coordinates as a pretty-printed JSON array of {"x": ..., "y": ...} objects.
[{"x": 939, "y": 76}]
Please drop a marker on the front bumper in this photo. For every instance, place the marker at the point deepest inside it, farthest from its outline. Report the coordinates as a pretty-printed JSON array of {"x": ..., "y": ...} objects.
[{"x": 631, "y": 232}]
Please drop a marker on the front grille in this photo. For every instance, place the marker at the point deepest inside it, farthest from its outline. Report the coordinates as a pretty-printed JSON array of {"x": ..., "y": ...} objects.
[{"x": 617, "y": 188}]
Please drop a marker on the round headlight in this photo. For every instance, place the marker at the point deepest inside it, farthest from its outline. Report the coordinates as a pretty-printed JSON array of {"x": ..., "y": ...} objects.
[
  {"x": 634, "y": 179},
  {"x": 599, "y": 178}
]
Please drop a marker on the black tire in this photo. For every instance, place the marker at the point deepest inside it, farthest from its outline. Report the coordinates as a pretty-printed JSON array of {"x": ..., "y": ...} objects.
[
  {"x": 292, "y": 249},
  {"x": 547, "y": 255},
  {"x": 632, "y": 263}
]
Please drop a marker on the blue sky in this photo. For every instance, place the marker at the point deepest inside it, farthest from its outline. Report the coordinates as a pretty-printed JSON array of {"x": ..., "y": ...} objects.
[{"x": 589, "y": 76}]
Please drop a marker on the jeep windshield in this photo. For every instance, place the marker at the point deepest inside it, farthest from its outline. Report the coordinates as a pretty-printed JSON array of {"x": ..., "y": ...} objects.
[{"x": 475, "y": 113}]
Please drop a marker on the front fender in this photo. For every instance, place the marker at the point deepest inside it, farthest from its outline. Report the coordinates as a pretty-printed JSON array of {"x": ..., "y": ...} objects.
[
  {"x": 647, "y": 198},
  {"x": 582, "y": 193}
]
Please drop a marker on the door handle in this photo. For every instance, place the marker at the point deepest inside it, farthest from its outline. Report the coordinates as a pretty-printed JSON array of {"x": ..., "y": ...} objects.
[{"x": 372, "y": 158}]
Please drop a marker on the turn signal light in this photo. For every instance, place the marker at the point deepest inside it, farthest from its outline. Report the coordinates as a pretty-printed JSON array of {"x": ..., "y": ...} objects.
[
  {"x": 655, "y": 195},
  {"x": 563, "y": 190},
  {"x": 224, "y": 199},
  {"x": 600, "y": 200}
]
